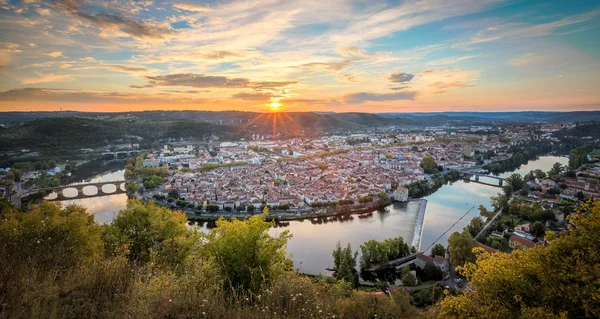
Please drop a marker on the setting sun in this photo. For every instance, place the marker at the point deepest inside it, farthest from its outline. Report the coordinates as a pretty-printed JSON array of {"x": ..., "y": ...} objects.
[{"x": 274, "y": 106}]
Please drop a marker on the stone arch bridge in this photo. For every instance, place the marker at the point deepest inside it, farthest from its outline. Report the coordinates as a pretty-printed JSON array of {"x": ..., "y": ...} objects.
[{"x": 119, "y": 189}]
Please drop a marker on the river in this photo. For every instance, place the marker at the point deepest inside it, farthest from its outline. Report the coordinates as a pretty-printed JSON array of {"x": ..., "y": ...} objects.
[{"x": 312, "y": 243}]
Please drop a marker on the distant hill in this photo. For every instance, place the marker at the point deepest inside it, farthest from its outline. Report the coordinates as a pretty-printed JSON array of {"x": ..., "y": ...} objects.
[
  {"x": 65, "y": 133},
  {"x": 527, "y": 116}
]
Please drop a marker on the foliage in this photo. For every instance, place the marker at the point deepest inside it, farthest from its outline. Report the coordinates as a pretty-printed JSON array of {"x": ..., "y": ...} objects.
[
  {"x": 538, "y": 228},
  {"x": 432, "y": 272},
  {"x": 428, "y": 164},
  {"x": 460, "y": 248},
  {"x": 407, "y": 277},
  {"x": 207, "y": 167},
  {"x": 475, "y": 226},
  {"x": 384, "y": 199},
  {"x": 375, "y": 253},
  {"x": 558, "y": 281},
  {"x": 556, "y": 169},
  {"x": 438, "y": 250},
  {"x": 153, "y": 181},
  {"x": 244, "y": 253},
  {"x": 53, "y": 267},
  {"x": 344, "y": 262},
  {"x": 577, "y": 157},
  {"x": 427, "y": 296},
  {"x": 150, "y": 233}
]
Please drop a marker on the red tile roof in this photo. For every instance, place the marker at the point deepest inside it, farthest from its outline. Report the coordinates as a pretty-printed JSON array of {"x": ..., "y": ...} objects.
[
  {"x": 487, "y": 248},
  {"x": 525, "y": 242}
]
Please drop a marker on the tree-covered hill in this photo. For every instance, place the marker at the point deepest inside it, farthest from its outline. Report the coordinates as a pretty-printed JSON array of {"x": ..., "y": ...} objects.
[{"x": 58, "y": 263}]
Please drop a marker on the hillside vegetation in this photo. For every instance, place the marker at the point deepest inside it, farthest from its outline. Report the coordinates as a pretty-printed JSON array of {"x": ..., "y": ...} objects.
[{"x": 59, "y": 263}]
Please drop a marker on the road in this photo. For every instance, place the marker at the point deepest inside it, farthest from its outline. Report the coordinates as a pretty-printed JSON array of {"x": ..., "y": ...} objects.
[{"x": 484, "y": 229}]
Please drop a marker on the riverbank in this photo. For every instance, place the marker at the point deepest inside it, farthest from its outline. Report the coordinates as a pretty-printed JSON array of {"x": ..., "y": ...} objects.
[{"x": 287, "y": 216}]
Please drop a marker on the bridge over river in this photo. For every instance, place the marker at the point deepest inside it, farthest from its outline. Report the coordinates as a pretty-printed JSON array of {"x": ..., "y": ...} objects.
[
  {"x": 480, "y": 178},
  {"x": 99, "y": 188}
]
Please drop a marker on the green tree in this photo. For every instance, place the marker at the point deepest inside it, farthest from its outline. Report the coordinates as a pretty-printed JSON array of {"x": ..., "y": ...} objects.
[
  {"x": 46, "y": 238},
  {"x": 408, "y": 279},
  {"x": 460, "y": 248},
  {"x": 428, "y": 164},
  {"x": 150, "y": 232},
  {"x": 538, "y": 228},
  {"x": 538, "y": 173},
  {"x": 344, "y": 262},
  {"x": 384, "y": 199},
  {"x": 374, "y": 253},
  {"x": 483, "y": 212},
  {"x": 251, "y": 208},
  {"x": 438, "y": 250},
  {"x": 516, "y": 180},
  {"x": 475, "y": 226},
  {"x": 500, "y": 203},
  {"x": 10, "y": 175},
  {"x": 244, "y": 253},
  {"x": 556, "y": 169},
  {"x": 577, "y": 157},
  {"x": 432, "y": 272}
]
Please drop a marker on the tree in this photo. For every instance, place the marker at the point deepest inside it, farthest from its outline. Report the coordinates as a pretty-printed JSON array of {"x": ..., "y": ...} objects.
[
  {"x": 516, "y": 180},
  {"x": 483, "y": 212},
  {"x": 538, "y": 228},
  {"x": 577, "y": 157},
  {"x": 460, "y": 248},
  {"x": 47, "y": 238},
  {"x": 344, "y": 262},
  {"x": 16, "y": 173},
  {"x": 174, "y": 193},
  {"x": 384, "y": 199},
  {"x": 432, "y": 272},
  {"x": 438, "y": 250},
  {"x": 475, "y": 226},
  {"x": 538, "y": 173},
  {"x": 150, "y": 232},
  {"x": 508, "y": 190},
  {"x": 10, "y": 175},
  {"x": 556, "y": 169},
  {"x": 375, "y": 253},
  {"x": 500, "y": 203},
  {"x": 245, "y": 254},
  {"x": 408, "y": 279},
  {"x": 322, "y": 166},
  {"x": 557, "y": 281},
  {"x": 250, "y": 208},
  {"x": 428, "y": 164}
]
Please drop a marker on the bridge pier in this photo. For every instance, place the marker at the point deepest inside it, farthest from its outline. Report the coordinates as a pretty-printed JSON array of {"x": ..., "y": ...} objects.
[
  {"x": 500, "y": 182},
  {"x": 477, "y": 178}
]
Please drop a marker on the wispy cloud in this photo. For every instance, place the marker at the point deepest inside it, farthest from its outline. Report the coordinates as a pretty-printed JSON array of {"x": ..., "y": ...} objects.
[
  {"x": 529, "y": 59},
  {"x": 400, "y": 77},
  {"x": 361, "y": 97},
  {"x": 210, "y": 81},
  {"x": 54, "y": 54}
]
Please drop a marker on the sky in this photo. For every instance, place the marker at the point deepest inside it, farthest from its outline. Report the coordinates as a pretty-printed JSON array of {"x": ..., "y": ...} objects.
[{"x": 308, "y": 55}]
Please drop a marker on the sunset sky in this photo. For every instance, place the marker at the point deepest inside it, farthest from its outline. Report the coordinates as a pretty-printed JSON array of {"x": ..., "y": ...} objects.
[{"x": 322, "y": 55}]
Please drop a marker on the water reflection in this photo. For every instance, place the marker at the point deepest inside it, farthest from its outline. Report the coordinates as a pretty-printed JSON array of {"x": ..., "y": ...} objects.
[{"x": 313, "y": 240}]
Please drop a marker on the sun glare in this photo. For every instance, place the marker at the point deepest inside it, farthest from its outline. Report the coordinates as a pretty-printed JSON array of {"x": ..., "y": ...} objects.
[{"x": 274, "y": 106}]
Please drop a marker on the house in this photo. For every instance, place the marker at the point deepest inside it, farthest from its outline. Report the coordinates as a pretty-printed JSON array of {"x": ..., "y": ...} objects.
[
  {"x": 523, "y": 228},
  {"x": 422, "y": 260},
  {"x": 400, "y": 194},
  {"x": 518, "y": 242},
  {"x": 442, "y": 263},
  {"x": 487, "y": 248}
]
